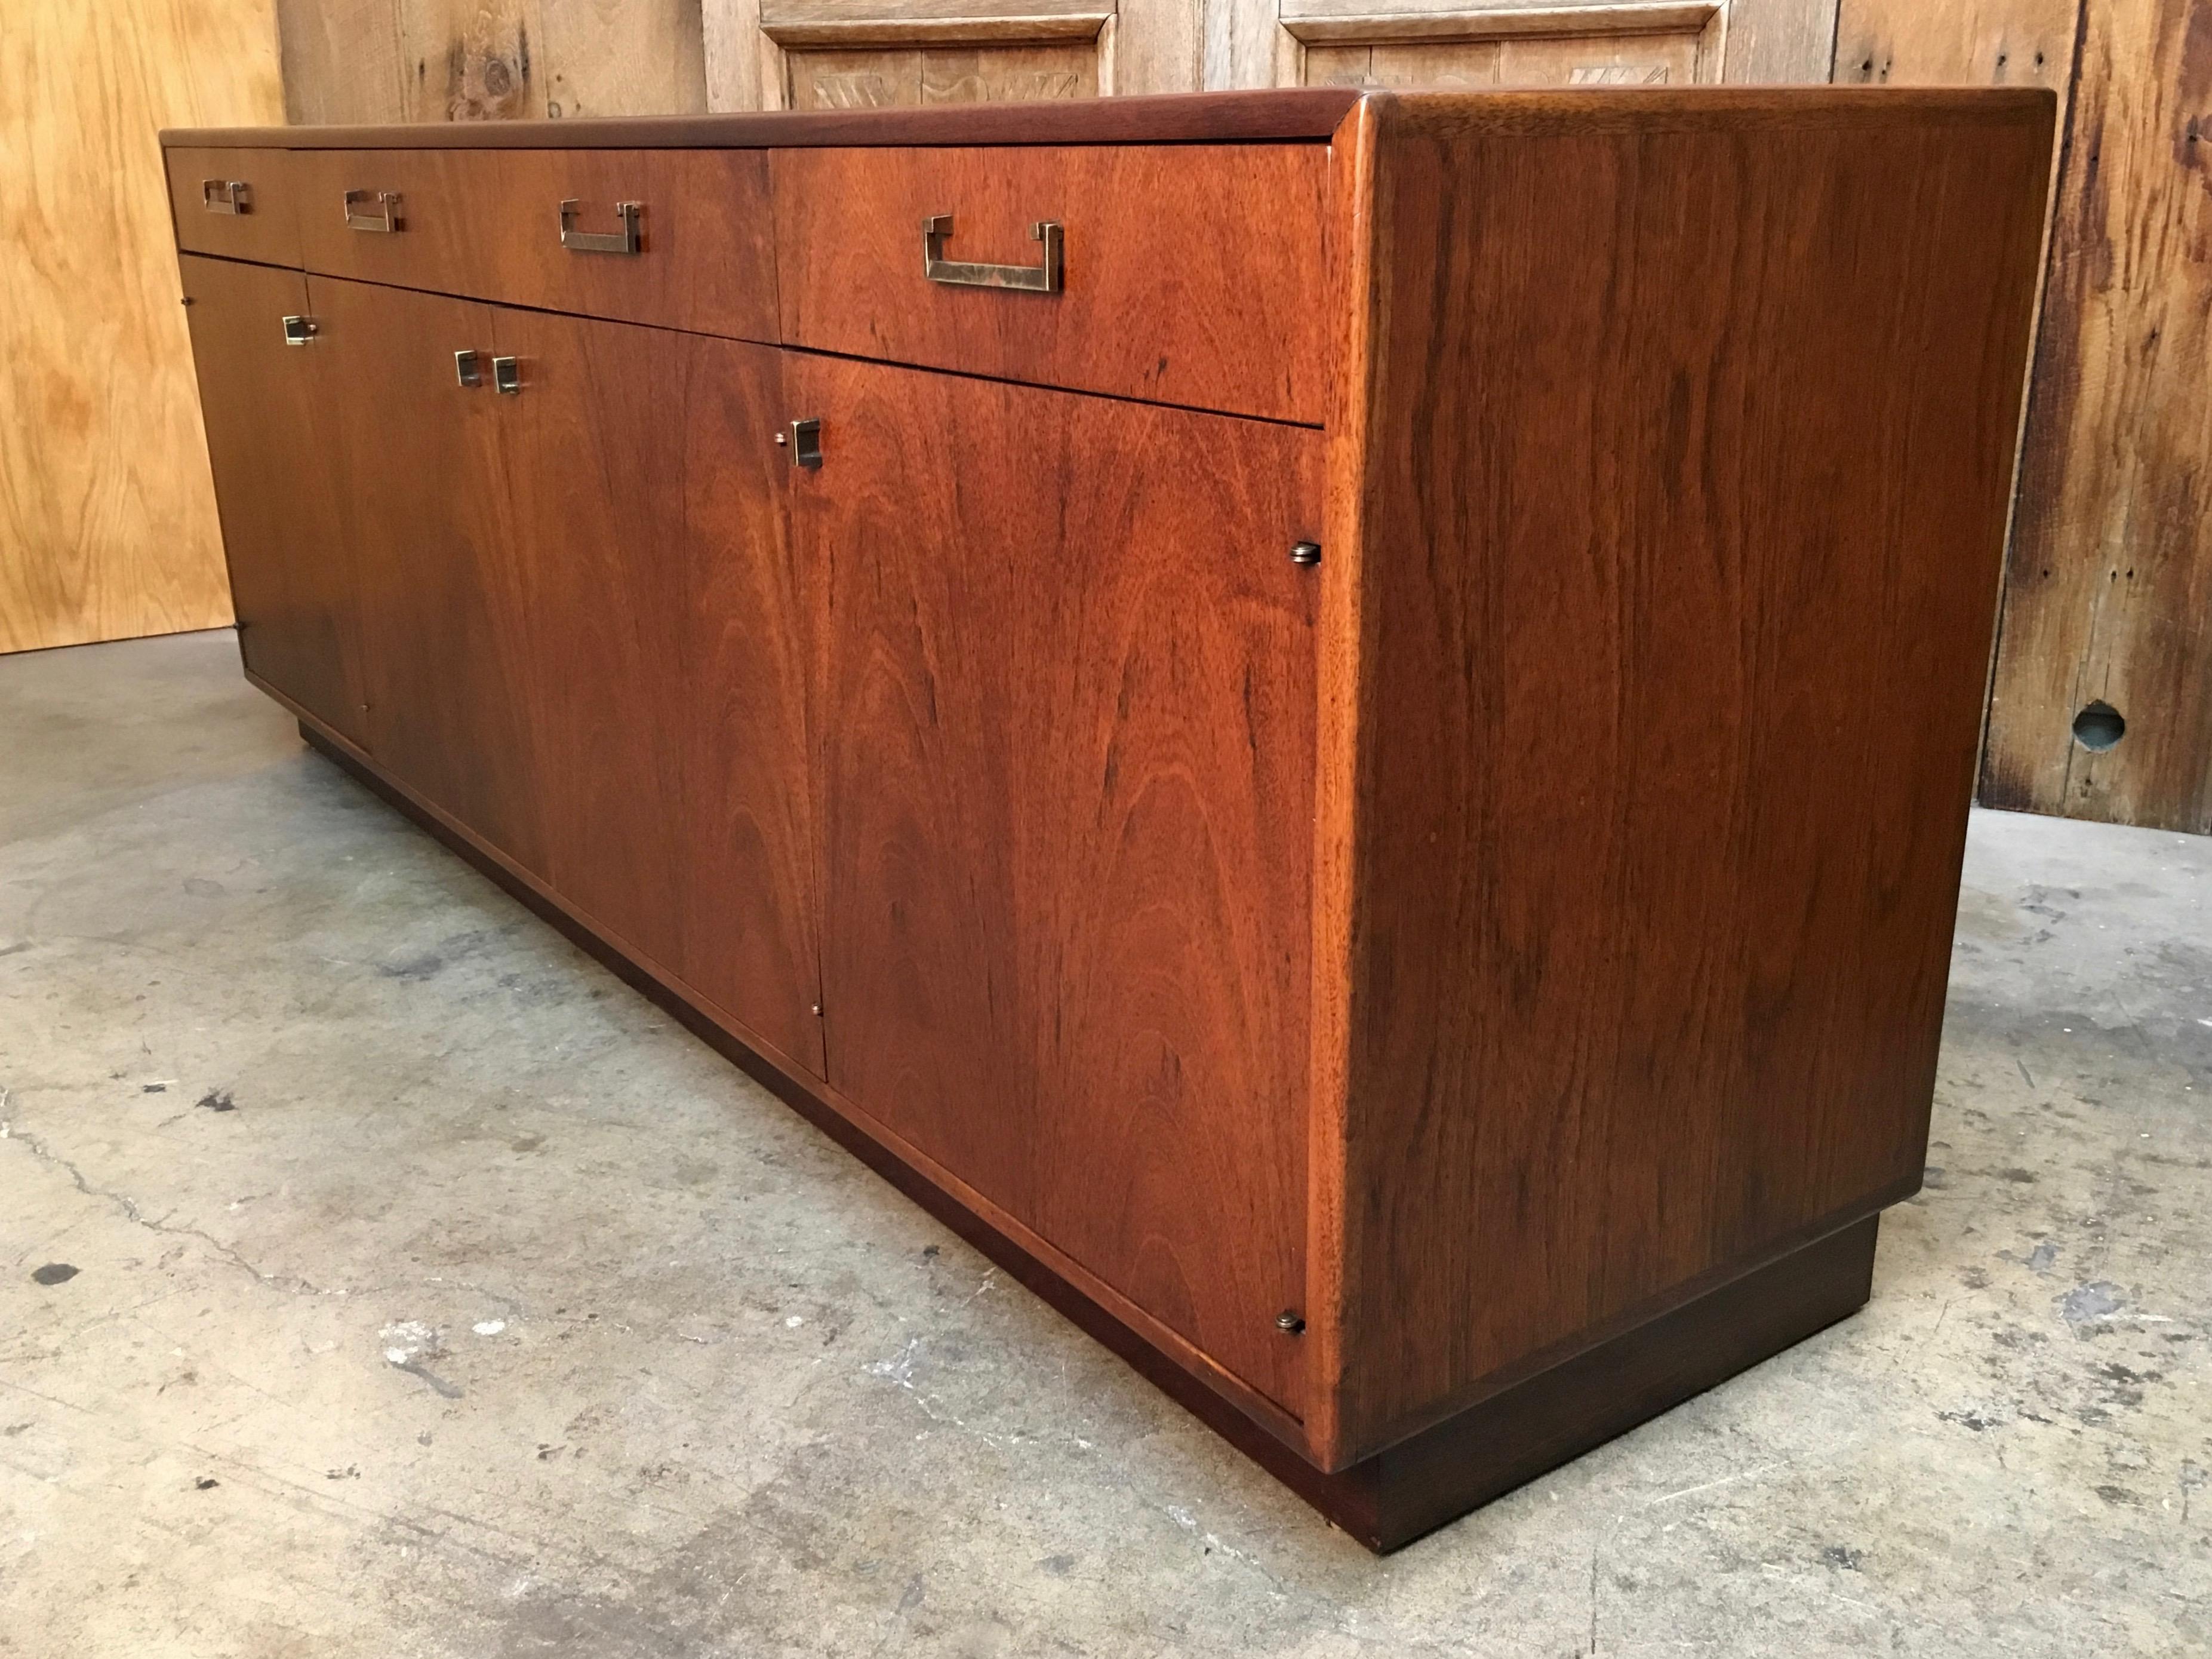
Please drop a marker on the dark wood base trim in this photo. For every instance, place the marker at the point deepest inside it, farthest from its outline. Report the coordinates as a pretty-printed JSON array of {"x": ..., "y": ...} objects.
[
  {"x": 1510, "y": 1438},
  {"x": 1421, "y": 1483}
]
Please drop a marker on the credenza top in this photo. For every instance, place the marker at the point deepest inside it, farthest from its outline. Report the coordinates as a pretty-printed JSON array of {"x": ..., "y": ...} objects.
[{"x": 1290, "y": 114}]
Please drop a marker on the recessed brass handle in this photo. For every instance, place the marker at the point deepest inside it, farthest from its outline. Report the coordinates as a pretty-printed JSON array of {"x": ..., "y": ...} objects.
[
  {"x": 299, "y": 330},
  {"x": 506, "y": 375},
  {"x": 226, "y": 196},
  {"x": 387, "y": 216},
  {"x": 468, "y": 369},
  {"x": 1043, "y": 279},
  {"x": 625, "y": 240}
]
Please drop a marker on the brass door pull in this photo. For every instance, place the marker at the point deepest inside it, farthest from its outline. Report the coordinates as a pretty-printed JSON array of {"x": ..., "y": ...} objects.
[
  {"x": 226, "y": 196},
  {"x": 625, "y": 240},
  {"x": 506, "y": 376},
  {"x": 387, "y": 216},
  {"x": 1043, "y": 278},
  {"x": 299, "y": 330}
]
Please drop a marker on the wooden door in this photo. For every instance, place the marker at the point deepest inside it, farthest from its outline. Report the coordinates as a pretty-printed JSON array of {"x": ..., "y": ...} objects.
[
  {"x": 292, "y": 582},
  {"x": 444, "y": 634},
  {"x": 862, "y": 54},
  {"x": 1405, "y": 45},
  {"x": 671, "y": 638},
  {"x": 1068, "y": 744}
]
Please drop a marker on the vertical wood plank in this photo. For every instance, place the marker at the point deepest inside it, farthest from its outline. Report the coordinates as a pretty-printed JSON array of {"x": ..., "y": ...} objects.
[
  {"x": 471, "y": 60},
  {"x": 1238, "y": 42},
  {"x": 741, "y": 63},
  {"x": 1157, "y": 46},
  {"x": 1781, "y": 42},
  {"x": 623, "y": 57},
  {"x": 344, "y": 60},
  {"x": 2109, "y": 594},
  {"x": 1934, "y": 43},
  {"x": 107, "y": 522}
]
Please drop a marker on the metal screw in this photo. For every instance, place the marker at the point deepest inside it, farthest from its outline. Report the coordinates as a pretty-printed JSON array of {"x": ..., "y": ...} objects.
[
  {"x": 1305, "y": 552},
  {"x": 1289, "y": 1322}
]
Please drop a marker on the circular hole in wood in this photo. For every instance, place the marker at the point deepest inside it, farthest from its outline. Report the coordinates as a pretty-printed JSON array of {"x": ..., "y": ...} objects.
[{"x": 2098, "y": 726}]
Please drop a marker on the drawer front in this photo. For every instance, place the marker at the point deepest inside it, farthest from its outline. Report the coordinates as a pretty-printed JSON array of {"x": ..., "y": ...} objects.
[
  {"x": 401, "y": 217},
  {"x": 490, "y": 224},
  {"x": 241, "y": 203},
  {"x": 1190, "y": 274}
]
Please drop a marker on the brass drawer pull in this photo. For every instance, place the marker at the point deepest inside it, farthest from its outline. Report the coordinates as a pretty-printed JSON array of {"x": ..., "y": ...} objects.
[
  {"x": 387, "y": 216},
  {"x": 506, "y": 376},
  {"x": 299, "y": 330},
  {"x": 226, "y": 196},
  {"x": 625, "y": 240},
  {"x": 1044, "y": 278}
]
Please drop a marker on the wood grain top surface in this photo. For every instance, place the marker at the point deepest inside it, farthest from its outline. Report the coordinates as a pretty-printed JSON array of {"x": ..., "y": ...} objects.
[{"x": 1290, "y": 114}]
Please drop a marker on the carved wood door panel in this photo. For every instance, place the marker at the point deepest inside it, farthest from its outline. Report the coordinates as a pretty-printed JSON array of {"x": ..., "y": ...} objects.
[
  {"x": 863, "y": 54},
  {"x": 848, "y": 54},
  {"x": 1405, "y": 43}
]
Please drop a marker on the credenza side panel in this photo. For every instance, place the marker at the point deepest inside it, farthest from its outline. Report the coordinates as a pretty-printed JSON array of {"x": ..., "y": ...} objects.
[
  {"x": 1066, "y": 770},
  {"x": 1688, "y": 454}
]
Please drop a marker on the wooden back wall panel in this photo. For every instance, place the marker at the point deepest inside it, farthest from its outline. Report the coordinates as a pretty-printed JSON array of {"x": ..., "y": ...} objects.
[
  {"x": 372, "y": 61},
  {"x": 107, "y": 522}
]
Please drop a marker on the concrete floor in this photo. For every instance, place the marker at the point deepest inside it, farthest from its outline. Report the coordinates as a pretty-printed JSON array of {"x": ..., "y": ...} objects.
[{"x": 378, "y": 1276}]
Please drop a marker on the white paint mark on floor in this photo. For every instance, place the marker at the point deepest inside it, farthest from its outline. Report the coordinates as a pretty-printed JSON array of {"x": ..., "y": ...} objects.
[{"x": 407, "y": 1340}]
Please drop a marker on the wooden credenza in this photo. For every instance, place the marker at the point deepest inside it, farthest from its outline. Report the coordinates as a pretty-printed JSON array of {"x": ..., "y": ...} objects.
[{"x": 1339, "y": 724}]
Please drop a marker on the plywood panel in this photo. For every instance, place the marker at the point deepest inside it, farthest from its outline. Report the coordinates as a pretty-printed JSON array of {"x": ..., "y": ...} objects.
[
  {"x": 107, "y": 522},
  {"x": 2109, "y": 593}
]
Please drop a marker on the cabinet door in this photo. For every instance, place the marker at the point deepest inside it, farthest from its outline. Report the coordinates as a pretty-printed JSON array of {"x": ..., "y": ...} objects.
[
  {"x": 1067, "y": 735},
  {"x": 291, "y": 581},
  {"x": 444, "y": 633},
  {"x": 673, "y": 636}
]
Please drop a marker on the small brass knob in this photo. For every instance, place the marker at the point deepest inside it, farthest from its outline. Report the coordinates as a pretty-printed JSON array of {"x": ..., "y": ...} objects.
[{"x": 1305, "y": 552}]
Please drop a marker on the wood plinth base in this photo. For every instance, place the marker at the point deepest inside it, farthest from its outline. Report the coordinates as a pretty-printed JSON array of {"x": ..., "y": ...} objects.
[{"x": 1421, "y": 1483}]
